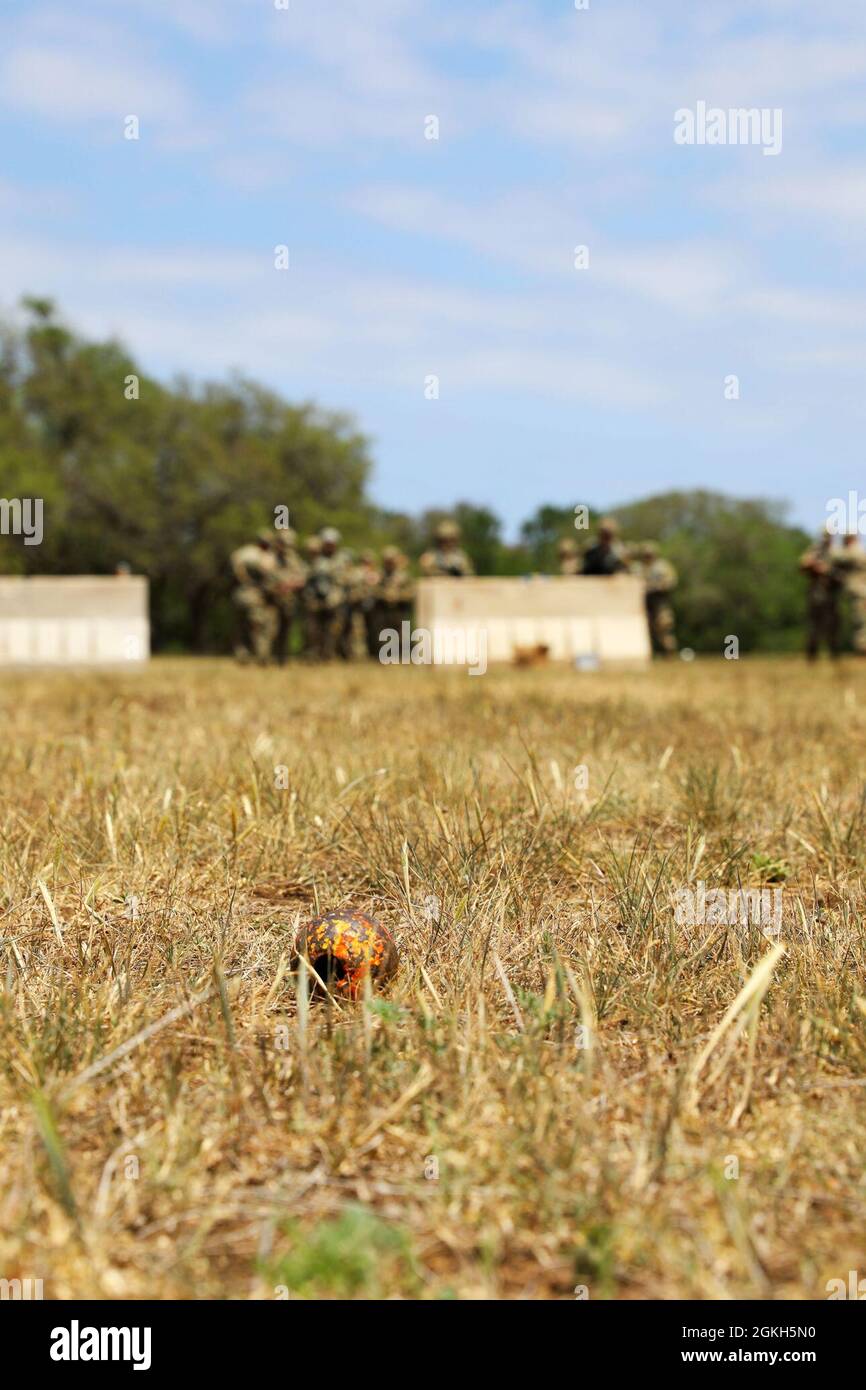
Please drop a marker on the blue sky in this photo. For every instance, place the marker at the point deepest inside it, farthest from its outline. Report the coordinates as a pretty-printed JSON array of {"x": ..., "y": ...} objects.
[{"x": 454, "y": 257}]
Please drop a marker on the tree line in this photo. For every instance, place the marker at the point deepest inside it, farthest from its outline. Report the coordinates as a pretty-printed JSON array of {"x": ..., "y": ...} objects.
[{"x": 170, "y": 478}]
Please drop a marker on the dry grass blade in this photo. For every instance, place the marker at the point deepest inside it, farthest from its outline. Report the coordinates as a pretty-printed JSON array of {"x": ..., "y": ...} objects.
[
  {"x": 749, "y": 998},
  {"x": 52, "y": 911},
  {"x": 144, "y": 1035},
  {"x": 387, "y": 1117}
]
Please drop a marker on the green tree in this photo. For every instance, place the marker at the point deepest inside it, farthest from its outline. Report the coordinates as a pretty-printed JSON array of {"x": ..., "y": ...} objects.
[
  {"x": 545, "y": 528},
  {"x": 169, "y": 479},
  {"x": 738, "y": 567}
]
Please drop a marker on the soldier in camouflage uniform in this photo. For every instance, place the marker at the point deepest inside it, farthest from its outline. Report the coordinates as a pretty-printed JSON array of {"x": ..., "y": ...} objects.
[
  {"x": 253, "y": 567},
  {"x": 446, "y": 557},
  {"x": 659, "y": 580},
  {"x": 290, "y": 573},
  {"x": 606, "y": 555},
  {"x": 825, "y": 585},
  {"x": 850, "y": 563},
  {"x": 346, "y": 637},
  {"x": 569, "y": 562},
  {"x": 361, "y": 602},
  {"x": 312, "y": 550},
  {"x": 325, "y": 597},
  {"x": 395, "y": 594}
]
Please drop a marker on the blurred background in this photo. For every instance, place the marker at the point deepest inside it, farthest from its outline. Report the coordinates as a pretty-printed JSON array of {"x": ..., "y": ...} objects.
[{"x": 337, "y": 247}]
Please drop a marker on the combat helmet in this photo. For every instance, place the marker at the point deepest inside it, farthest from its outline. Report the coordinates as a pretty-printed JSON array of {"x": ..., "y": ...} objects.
[{"x": 646, "y": 550}]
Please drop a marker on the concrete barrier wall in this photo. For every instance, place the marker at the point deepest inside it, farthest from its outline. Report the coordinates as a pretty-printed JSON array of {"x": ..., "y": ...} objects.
[
  {"x": 75, "y": 620},
  {"x": 575, "y": 617}
]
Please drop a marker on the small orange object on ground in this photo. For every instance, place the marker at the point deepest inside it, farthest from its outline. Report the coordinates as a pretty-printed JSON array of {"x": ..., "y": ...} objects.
[{"x": 345, "y": 946}]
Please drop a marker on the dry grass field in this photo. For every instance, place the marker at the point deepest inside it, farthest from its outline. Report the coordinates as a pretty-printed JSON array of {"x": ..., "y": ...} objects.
[{"x": 564, "y": 1086}]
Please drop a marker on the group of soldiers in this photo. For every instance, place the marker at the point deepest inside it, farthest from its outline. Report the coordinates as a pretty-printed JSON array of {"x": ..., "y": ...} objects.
[
  {"x": 832, "y": 572},
  {"x": 343, "y": 603},
  {"x": 608, "y": 555},
  {"x": 340, "y": 601}
]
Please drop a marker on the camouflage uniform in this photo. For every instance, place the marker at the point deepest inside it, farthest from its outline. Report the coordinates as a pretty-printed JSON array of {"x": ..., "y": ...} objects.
[
  {"x": 659, "y": 579},
  {"x": 825, "y": 584},
  {"x": 446, "y": 558},
  {"x": 361, "y": 602},
  {"x": 569, "y": 562},
  {"x": 325, "y": 598},
  {"x": 850, "y": 564},
  {"x": 395, "y": 594},
  {"x": 312, "y": 551},
  {"x": 606, "y": 555},
  {"x": 253, "y": 567},
  {"x": 290, "y": 572}
]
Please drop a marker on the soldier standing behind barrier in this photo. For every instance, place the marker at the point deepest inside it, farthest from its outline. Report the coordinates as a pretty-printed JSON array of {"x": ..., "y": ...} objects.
[
  {"x": 659, "y": 579},
  {"x": 395, "y": 594},
  {"x": 290, "y": 574},
  {"x": 850, "y": 563},
  {"x": 325, "y": 597},
  {"x": 253, "y": 567},
  {"x": 825, "y": 584},
  {"x": 606, "y": 555},
  {"x": 569, "y": 561},
  {"x": 446, "y": 557}
]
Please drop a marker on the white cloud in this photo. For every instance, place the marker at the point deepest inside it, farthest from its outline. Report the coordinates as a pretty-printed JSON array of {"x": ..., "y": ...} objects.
[
  {"x": 808, "y": 308},
  {"x": 692, "y": 278},
  {"x": 317, "y": 113},
  {"x": 571, "y": 375},
  {"x": 371, "y": 48},
  {"x": 533, "y": 230},
  {"x": 21, "y": 202},
  {"x": 63, "y": 84},
  {"x": 539, "y": 233},
  {"x": 831, "y": 195}
]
